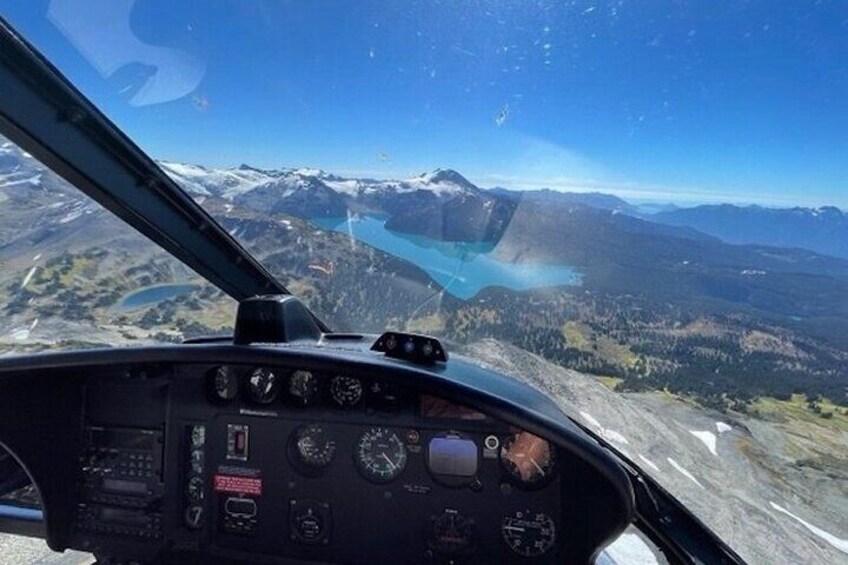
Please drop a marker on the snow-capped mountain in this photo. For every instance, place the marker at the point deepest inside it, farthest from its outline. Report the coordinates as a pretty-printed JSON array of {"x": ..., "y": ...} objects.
[
  {"x": 18, "y": 167},
  {"x": 234, "y": 182},
  {"x": 424, "y": 204}
]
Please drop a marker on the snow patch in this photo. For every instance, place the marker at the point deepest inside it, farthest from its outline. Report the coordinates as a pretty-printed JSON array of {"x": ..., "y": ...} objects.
[
  {"x": 308, "y": 172},
  {"x": 708, "y": 439},
  {"x": 614, "y": 436},
  {"x": 592, "y": 421},
  {"x": 10, "y": 180},
  {"x": 71, "y": 216},
  {"x": 649, "y": 463},
  {"x": 20, "y": 334},
  {"x": 721, "y": 427},
  {"x": 683, "y": 471},
  {"x": 606, "y": 433},
  {"x": 28, "y": 277},
  {"x": 349, "y": 187},
  {"x": 628, "y": 549},
  {"x": 838, "y": 543}
]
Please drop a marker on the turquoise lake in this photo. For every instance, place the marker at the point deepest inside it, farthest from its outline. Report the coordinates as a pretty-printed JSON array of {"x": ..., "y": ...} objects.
[
  {"x": 463, "y": 269},
  {"x": 154, "y": 294}
]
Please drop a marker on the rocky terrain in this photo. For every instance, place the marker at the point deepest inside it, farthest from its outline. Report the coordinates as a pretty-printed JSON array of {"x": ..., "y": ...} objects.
[{"x": 744, "y": 477}]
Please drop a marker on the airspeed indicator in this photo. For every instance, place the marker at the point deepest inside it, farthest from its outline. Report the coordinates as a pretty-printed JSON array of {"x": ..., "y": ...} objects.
[{"x": 380, "y": 455}]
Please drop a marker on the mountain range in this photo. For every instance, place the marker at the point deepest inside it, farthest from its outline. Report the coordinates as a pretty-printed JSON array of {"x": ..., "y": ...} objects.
[
  {"x": 657, "y": 305},
  {"x": 823, "y": 230},
  {"x": 618, "y": 249},
  {"x": 434, "y": 203}
]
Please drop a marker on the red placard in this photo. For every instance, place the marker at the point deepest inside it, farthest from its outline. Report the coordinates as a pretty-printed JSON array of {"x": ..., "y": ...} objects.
[{"x": 238, "y": 485}]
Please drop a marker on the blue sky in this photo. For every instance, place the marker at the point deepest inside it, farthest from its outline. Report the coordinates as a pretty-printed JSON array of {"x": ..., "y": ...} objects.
[{"x": 699, "y": 101}]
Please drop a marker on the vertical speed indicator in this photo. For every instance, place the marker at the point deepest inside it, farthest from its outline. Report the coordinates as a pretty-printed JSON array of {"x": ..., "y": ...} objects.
[
  {"x": 380, "y": 455},
  {"x": 529, "y": 534}
]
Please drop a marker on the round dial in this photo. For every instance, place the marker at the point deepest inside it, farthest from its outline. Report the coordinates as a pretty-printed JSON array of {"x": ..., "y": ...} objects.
[
  {"x": 528, "y": 459},
  {"x": 529, "y": 534},
  {"x": 303, "y": 387},
  {"x": 224, "y": 383},
  {"x": 346, "y": 391},
  {"x": 262, "y": 385},
  {"x": 453, "y": 533},
  {"x": 380, "y": 455},
  {"x": 312, "y": 448}
]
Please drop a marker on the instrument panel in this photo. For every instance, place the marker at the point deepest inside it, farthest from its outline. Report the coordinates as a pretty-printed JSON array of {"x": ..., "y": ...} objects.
[{"x": 292, "y": 462}]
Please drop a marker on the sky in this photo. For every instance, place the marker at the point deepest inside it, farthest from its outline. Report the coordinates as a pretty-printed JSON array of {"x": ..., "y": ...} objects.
[{"x": 689, "y": 102}]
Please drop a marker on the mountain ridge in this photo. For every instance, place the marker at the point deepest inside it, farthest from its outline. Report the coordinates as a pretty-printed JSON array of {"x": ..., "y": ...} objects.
[
  {"x": 823, "y": 229},
  {"x": 442, "y": 194}
]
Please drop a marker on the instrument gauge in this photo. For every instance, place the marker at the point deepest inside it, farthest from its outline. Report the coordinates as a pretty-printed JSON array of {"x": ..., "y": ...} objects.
[
  {"x": 453, "y": 533},
  {"x": 262, "y": 385},
  {"x": 346, "y": 391},
  {"x": 529, "y": 534},
  {"x": 311, "y": 449},
  {"x": 224, "y": 383},
  {"x": 380, "y": 455},
  {"x": 529, "y": 460},
  {"x": 303, "y": 387}
]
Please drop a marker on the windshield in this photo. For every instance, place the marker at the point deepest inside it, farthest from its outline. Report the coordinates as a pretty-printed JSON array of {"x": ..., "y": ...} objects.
[
  {"x": 637, "y": 207},
  {"x": 73, "y": 276}
]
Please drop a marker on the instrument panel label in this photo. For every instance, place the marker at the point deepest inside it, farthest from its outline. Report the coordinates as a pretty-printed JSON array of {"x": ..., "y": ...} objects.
[{"x": 238, "y": 485}]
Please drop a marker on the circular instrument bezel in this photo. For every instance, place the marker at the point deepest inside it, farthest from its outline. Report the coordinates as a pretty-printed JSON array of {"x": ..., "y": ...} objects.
[
  {"x": 369, "y": 469},
  {"x": 264, "y": 398},
  {"x": 303, "y": 465},
  {"x": 547, "y": 469},
  {"x": 346, "y": 391},
  {"x": 520, "y": 521}
]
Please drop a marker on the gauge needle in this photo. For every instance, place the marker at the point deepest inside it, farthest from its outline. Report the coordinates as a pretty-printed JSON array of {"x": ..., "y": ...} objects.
[
  {"x": 514, "y": 528},
  {"x": 533, "y": 461},
  {"x": 386, "y": 457}
]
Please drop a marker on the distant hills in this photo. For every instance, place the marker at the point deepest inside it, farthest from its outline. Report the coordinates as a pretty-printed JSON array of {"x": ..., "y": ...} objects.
[
  {"x": 546, "y": 195},
  {"x": 824, "y": 230},
  {"x": 441, "y": 198}
]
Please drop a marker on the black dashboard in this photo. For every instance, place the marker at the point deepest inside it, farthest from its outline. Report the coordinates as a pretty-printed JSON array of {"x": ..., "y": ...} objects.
[{"x": 305, "y": 454}]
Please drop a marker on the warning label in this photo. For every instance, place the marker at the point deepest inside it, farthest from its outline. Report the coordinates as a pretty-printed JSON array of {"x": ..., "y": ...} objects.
[{"x": 238, "y": 485}]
